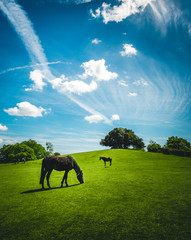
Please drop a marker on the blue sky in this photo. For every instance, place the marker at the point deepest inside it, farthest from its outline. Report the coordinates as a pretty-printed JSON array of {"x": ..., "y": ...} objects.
[{"x": 72, "y": 70}]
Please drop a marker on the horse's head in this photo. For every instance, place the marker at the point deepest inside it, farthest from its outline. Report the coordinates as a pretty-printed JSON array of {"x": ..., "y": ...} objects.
[
  {"x": 80, "y": 177},
  {"x": 100, "y": 158}
]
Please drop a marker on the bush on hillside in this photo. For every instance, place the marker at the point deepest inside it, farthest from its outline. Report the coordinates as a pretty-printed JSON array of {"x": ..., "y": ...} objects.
[
  {"x": 177, "y": 152},
  {"x": 154, "y": 147}
]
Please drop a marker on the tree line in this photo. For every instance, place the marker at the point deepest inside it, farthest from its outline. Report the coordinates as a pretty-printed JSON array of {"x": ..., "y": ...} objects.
[
  {"x": 25, "y": 151},
  {"x": 118, "y": 138},
  {"x": 122, "y": 138}
]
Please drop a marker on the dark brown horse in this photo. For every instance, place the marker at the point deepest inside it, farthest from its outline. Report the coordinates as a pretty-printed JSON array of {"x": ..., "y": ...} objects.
[
  {"x": 106, "y": 160},
  {"x": 60, "y": 164}
]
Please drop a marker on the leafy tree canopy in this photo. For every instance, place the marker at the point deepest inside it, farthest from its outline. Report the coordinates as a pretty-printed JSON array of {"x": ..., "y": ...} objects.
[
  {"x": 39, "y": 150},
  {"x": 178, "y": 143},
  {"x": 154, "y": 147},
  {"x": 29, "y": 150},
  {"x": 120, "y": 138},
  {"x": 16, "y": 152},
  {"x": 56, "y": 154}
]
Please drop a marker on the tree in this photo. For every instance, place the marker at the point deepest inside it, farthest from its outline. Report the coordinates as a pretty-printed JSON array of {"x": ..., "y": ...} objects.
[
  {"x": 39, "y": 150},
  {"x": 14, "y": 153},
  {"x": 122, "y": 138},
  {"x": 154, "y": 147},
  {"x": 49, "y": 147},
  {"x": 178, "y": 144},
  {"x": 56, "y": 154}
]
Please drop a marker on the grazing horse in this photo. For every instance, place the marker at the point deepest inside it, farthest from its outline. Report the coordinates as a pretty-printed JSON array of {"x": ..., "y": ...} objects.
[
  {"x": 106, "y": 160},
  {"x": 60, "y": 164}
]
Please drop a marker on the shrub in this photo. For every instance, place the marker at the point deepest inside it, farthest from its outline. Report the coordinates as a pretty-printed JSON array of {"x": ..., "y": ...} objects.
[{"x": 154, "y": 147}]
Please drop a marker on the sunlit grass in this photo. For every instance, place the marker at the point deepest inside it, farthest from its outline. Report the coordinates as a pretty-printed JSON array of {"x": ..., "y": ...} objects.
[{"x": 141, "y": 196}]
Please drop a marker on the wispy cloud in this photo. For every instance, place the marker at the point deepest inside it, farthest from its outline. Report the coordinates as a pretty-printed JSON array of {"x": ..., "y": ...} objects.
[
  {"x": 161, "y": 12},
  {"x": 141, "y": 82},
  {"x": 23, "y": 26},
  {"x": 26, "y": 109},
  {"x": 31, "y": 66},
  {"x": 123, "y": 83},
  {"x": 70, "y": 1},
  {"x": 19, "y": 19}
]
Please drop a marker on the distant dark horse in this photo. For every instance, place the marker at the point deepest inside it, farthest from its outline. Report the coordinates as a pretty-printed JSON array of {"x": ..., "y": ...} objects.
[
  {"x": 60, "y": 164},
  {"x": 106, "y": 160}
]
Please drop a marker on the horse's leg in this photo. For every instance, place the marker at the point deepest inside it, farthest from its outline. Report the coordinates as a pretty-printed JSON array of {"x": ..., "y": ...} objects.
[
  {"x": 65, "y": 178},
  {"x": 43, "y": 176},
  {"x": 105, "y": 163},
  {"x": 110, "y": 162},
  {"x": 48, "y": 176}
]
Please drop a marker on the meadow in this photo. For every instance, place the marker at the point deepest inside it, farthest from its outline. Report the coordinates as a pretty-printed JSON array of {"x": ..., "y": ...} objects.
[{"x": 141, "y": 196}]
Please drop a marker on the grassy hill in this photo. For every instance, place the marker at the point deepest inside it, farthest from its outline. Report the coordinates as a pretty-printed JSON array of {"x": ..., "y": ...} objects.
[{"x": 141, "y": 196}]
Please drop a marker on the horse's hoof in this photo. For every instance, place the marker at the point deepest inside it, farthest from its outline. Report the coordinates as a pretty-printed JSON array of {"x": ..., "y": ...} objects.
[
  {"x": 61, "y": 186},
  {"x": 66, "y": 185}
]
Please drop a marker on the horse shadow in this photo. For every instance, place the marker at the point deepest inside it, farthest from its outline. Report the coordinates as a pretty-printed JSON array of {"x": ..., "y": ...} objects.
[{"x": 48, "y": 189}]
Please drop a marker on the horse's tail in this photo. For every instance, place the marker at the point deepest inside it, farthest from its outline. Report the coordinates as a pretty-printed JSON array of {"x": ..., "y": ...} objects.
[{"x": 42, "y": 171}]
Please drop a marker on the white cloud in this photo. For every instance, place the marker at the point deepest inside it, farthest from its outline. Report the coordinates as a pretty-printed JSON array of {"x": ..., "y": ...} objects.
[
  {"x": 96, "y": 118},
  {"x": 76, "y": 86},
  {"x": 115, "y": 117},
  {"x": 132, "y": 94},
  {"x": 1, "y": 140},
  {"x": 26, "y": 109},
  {"x": 96, "y": 41},
  {"x": 3, "y": 127},
  {"x": 96, "y": 14},
  {"x": 37, "y": 77},
  {"x": 97, "y": 70},
  {"x": 119, "y": 12},
  {"x": 24, "y": 28},
  {"x": 161, "y": 12},
  {"x": 129, "y": 50},
  {"x": 141, "y": 82},
  {"x": 123, "y": 83}
]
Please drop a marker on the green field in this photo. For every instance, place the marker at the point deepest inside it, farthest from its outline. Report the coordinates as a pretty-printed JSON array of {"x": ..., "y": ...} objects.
[{"x": 141, "y": 196}]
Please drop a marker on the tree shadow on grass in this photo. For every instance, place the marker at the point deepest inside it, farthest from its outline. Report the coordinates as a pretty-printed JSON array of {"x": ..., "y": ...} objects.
[{"x": 48, "y": 189}]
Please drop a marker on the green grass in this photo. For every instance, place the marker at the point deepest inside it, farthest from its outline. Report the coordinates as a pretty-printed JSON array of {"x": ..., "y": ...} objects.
[{"x": 141, "y": 196}]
